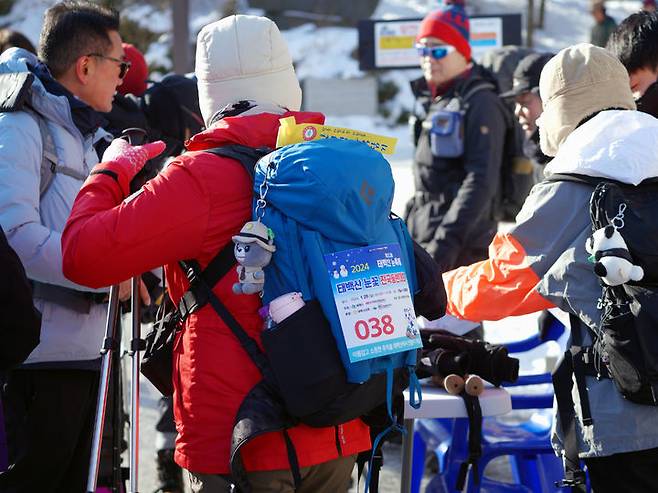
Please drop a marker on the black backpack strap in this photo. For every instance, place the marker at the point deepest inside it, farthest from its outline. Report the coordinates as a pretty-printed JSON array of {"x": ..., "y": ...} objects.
[
  {"x": 245, "y": 155},
  {"x": 198, "y": 285},
  {"x": 221, "y": 264},
  {"x": 194, "y": 299},
  {"x": 571, "y": 364}
]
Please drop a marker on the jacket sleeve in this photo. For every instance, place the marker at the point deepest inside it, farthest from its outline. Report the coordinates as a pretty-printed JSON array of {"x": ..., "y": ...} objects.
[
  {"x": 483, "y": 148},
  {"x": 38, "y": 246},
  {"x": 108, "y": 239},
  {"x": 509, "y": 281}
]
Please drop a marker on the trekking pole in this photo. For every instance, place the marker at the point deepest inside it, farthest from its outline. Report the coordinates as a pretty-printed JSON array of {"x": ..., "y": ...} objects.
[
  {"x": 137, "y": 344},
  {"x": 110, "y": 344},
  {"x": 135, "y": 136}
]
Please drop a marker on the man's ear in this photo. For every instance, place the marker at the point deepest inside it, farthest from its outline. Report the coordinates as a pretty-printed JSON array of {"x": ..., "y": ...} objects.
[{"x": 83, "y": 69}]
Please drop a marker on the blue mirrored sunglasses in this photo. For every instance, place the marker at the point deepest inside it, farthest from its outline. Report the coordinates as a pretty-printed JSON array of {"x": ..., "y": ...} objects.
[{"x": 436, "y": 52}]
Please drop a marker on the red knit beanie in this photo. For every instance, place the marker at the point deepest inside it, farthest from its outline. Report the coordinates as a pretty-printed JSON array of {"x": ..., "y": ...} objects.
[
  {"x": 135, "y": 80},
  {"x": 450, "y": 26}
]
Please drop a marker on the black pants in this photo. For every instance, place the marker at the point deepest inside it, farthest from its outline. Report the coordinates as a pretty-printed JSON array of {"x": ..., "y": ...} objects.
[
  {"x": 49, "y": 416},
  {"x": 631, "y": 472}
]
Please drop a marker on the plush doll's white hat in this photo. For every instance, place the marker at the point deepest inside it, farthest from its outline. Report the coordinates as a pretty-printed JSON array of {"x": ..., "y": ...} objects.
[{"x": 244, "y": 57}]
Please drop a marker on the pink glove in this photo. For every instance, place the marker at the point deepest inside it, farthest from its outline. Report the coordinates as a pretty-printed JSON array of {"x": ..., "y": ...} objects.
[{"x": 123, "y": 161}]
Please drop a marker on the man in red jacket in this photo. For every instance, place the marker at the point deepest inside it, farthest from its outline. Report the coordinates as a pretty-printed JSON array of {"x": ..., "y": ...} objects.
[{"x": 191, "y": 210}]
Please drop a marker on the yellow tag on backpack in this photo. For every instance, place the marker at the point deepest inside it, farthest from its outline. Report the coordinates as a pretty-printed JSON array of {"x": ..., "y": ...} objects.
[{"x": 290, "y": 132}]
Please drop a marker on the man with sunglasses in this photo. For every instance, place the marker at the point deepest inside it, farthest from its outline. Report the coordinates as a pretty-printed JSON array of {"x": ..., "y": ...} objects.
[
  {"x": 49, "y": 122},
  {"x": 459, "y": 137}
]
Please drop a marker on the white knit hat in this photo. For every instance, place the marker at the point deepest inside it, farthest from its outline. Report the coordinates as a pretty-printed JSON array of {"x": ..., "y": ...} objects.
[
  {"x": 244, "y": 57},
  {"x": 576, "y": 83}
]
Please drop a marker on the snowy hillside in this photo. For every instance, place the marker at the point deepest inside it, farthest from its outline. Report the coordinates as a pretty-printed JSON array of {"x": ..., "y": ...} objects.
[{"x": 567, "y": 22}]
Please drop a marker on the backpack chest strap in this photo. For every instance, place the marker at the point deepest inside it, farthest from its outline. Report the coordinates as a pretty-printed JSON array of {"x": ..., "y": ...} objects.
[{"x": 614, "y": 252}]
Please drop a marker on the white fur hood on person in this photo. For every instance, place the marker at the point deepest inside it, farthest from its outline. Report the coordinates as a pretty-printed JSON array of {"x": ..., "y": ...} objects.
[{"x": 618, "y": 144}]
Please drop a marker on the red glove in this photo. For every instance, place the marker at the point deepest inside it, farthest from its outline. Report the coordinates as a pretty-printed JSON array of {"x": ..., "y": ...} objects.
[{"x": 123, "y": 161}]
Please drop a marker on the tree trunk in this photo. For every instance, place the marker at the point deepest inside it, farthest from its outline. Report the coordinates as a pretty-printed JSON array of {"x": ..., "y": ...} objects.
[
  {"x": 542, "y": 13},
  {"x": 530, "y": 23}
]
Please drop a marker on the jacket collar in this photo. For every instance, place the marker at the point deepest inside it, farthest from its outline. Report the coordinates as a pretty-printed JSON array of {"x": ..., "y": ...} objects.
[
  {"x": 49, "y": 98},
  {"x": 259, "y": 130},
  {"x": 85, "y": 118}
]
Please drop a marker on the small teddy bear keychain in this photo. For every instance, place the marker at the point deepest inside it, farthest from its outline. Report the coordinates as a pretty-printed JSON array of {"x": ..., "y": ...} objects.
[{"x": 253, "y": 250}]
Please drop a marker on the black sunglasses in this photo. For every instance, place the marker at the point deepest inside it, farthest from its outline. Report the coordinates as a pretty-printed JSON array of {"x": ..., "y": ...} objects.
[{"x": 123, "y": 65}]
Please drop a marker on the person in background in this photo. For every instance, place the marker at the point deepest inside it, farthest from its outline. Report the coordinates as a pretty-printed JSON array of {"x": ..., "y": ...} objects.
[
  {"x": 528, "y": 106},
  {"x": 649, "y": 5},
  {"x": 50, "y": 402},
  {"x": 589, "y": 127},
  {"x": 127, "y": 111},
  {"x": 635, "y": 44},
  {"x": 20, "y": 323},
  {"x": 136, "y": 80},
  {"x": 10, "y": 38},
  {"x": 603, "y": 24},
  {"x": 451, "y": 213}
]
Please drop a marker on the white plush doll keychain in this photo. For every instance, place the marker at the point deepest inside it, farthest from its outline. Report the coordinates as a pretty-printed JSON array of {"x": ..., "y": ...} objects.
[{"x": 612, "y": 260}]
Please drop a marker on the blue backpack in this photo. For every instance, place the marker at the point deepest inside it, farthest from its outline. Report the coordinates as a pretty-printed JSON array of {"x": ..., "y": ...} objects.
[{"x": 325, "y": 201}]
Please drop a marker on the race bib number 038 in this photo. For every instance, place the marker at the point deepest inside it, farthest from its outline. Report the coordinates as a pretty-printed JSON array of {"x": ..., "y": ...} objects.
[{"x": 373, "y": 300}]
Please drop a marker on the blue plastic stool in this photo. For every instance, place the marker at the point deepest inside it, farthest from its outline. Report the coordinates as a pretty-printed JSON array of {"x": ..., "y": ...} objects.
[{"x": 535, "y": 468}]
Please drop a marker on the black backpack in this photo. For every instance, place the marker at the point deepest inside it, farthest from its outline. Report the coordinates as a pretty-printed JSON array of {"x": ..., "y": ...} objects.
[
  {"x": 627, "y": 339},
  {"x": 625, "y": 343},
  {"x": 625, "y": 346},
  {"x": 516, "y": 170}
]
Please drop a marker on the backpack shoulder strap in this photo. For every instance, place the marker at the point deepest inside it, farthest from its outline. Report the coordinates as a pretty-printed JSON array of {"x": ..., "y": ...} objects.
[
  {"x": 193, "y": 299},
  {"x": 50, "y": 163},
  {"x": 203, "y": 290},
  {"x": 221, "y": 264},
  {"x": 245, "y": 155},
  {"x": 576, "y": 178},
  {"x": 477, "y": 87},
  {"x": 15, "y": 96},
  {"x": 49, "y": 159}
]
